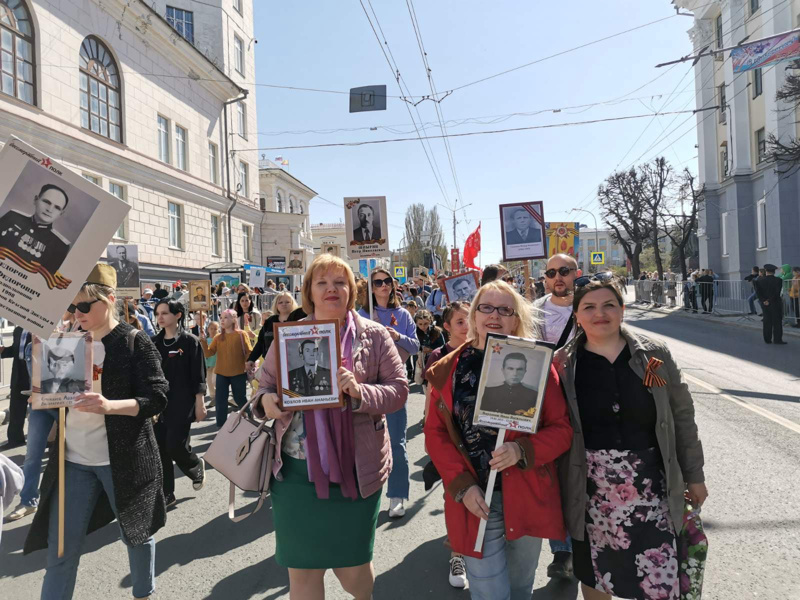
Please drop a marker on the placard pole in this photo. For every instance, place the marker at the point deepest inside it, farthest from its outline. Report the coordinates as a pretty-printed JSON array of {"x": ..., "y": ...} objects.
[
  {"x": 527, "y": 275},
  {"x": 501, "y": 436},
  {"x": 369, "y": 288},
  {"x": 62, "y": 420}
]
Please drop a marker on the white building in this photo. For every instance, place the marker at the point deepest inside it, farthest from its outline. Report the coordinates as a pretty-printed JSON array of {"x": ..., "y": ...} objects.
[
  {"x": 333, "y": 233},
  {"x": 600, "y": 240},
  {"x": 751, "y": 215},
  {"x": 133, "y": 95}
]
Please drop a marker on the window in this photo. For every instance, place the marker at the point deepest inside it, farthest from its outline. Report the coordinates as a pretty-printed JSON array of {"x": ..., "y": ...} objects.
[
  {"x": 302, "y": 209},
  {"x": 101, "y": 110},
  {"x": 291, "y": 205},
  {"x": 761, "y": 145},
  {"x": 92, "y": 178},
  {"x": 761, "y": 223},
  {"x": 280, "y": 202},
  {"x": 215, "y": 235},
  {"x": 724, "y": 233},
  {"x": 16, "y": 42},
  {"x": 163, "y": 139},
  {"x": 119, "y": 191},
  {"x": 719, "y": 31},
  {"x": 175, "y": 225},
  {"x": 241, "y": 116},
  {"x": 246, "y": 241},
  {"x": 723, "y": 105},
  {"x": 723, "y": 162},
  {"x": 243, "y": 188},
  {"x": 213, "y": 163},
  {"x": 238, "y": 54},
  {"x": 754, "y": 5},
  {"x": 758, "y": 85},
  {"x": 237, "y": 4},
  {"x": 182, "y": 21},
  {"x": 180, "y": 147}
]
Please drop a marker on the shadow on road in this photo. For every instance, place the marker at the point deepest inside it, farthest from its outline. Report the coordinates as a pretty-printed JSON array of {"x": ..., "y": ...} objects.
[
  {"x": 421, "y": 574},
  {"x": 557, "y": 590},
  {"x": 763, "y": 396},
  {"x": 266, "y": 577}
]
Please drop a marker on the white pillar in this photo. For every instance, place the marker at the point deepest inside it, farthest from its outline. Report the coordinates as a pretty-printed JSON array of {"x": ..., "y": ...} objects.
[
  {"x": 734, "y": 13},
  {"x": 702, "y": 35}
]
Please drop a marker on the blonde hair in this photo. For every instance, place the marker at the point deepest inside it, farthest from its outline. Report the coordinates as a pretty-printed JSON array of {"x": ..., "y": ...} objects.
[
  {"x": 285, "y": 295},
  {"x": 215, "y": 324},
  {"x": 322, "y": 264},
  {"x": 231, "y": 313},
  {"x": 95, "y": 291},
  {"x": 523, "y": 311}
]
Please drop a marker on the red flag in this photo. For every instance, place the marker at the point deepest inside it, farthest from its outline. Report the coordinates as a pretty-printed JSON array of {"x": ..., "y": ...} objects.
[{"x": 471, "y": 248}]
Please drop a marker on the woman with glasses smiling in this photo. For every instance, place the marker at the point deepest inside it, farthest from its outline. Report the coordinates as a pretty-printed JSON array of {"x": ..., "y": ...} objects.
[
  {"x": 526, "y": 505},
  {"x": 112, "y": 462}
]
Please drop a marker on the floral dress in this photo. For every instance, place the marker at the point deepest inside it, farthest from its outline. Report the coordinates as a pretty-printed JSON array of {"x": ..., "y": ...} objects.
[{"x": 629, "y": 549}]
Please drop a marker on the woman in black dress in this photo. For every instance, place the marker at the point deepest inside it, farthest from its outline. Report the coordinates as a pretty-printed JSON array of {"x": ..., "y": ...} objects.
[
  {"x": 635, "y": 452},
  {"x": 184, "y": 366}
]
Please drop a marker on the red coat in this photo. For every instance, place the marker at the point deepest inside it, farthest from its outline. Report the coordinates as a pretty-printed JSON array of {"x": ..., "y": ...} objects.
[{"x": 531, "y": 496}]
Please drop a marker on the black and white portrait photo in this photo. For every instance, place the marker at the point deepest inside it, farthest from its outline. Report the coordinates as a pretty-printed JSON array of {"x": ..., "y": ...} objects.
[
  {"x": 332, "y": 249},
  {"x": 61, "y": 369},
  {"x": 308, "y": 359},
  {"x": 461, "y": 287},
  {"x": 366, "y": 227},
  {"x": 125, "y": 260},
  {"x": 512, "y": 385},
  {"x": 200, "y": 294},
  {"x": 296, "y": 265},
  {"x": 523, "y": 231}
]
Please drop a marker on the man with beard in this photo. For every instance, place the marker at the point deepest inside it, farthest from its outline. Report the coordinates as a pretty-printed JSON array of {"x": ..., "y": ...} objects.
[{"x": 558, "y": 329}]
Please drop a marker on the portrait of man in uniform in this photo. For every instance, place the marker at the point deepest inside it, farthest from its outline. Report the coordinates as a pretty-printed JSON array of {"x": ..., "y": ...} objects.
[
  {"x": 31, "y": 236},
  {"x": 64, "y": 373},
  {"x": 311, "y": 379},
  {"x": 369, "y": 224},
  {"x": 461, "y": 287},
  {"x": 513, "y": 396},
  {"x": 126, "y": 266},
  {"x": 463, "y": 290},
  {"x": 199, "y": 295}
]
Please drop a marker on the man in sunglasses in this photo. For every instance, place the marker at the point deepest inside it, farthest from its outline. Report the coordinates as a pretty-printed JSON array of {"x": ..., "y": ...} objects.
[{"x": 558, "y": 329}]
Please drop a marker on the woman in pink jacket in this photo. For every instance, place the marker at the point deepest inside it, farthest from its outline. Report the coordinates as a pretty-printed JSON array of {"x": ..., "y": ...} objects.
[{"x": 333, "y": 462}]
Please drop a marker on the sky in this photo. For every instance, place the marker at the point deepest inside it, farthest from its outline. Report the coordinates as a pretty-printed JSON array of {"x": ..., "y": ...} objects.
[{"x": 331, "y": 46}]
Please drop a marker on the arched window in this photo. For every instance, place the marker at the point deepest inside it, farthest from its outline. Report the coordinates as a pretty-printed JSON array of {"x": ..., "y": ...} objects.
[
  {"x": 101, "y": 109},
  {"x": 16, "y": 43},
  {"x": 291, "y": 205},
  {"x": 302, "y": 209},
  {"x": 280, "y": 202}
]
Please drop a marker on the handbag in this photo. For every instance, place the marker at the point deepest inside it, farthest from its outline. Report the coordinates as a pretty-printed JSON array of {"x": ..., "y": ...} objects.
[
  {"x": 243, "y": 451},
  {"x": 692, "y": 553}
]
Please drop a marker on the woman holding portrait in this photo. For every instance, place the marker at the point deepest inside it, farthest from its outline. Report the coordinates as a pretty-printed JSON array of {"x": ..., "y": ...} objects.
[{"x": 331, "y": 463}]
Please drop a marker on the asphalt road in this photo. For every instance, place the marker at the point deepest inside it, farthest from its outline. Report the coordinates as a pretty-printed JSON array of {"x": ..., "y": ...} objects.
[{"x": 752, "y": 515}]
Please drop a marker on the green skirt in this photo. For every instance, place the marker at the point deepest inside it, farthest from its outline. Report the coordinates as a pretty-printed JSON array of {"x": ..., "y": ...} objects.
[{"x": 320, "y": 534}]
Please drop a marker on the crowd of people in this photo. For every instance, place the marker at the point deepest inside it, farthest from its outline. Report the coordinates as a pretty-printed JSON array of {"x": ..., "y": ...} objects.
[{"x": 603, "y": 479}]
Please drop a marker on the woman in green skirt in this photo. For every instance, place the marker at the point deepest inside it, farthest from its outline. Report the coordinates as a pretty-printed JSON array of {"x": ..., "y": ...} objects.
[{"x": 333, "y": 462}]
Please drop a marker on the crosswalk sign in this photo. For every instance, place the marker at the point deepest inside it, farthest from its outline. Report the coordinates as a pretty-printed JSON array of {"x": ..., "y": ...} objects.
[
  {"x": 400, "y": 272},
  {"x": 598, "y": 258}
]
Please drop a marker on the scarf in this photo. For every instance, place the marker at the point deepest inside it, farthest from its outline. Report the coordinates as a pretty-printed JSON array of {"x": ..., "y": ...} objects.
[{"x": 330, "y": 447}]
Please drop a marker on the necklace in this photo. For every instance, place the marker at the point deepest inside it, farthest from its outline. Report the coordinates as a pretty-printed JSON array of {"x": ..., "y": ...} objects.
[{"x": 174, "y": 340}]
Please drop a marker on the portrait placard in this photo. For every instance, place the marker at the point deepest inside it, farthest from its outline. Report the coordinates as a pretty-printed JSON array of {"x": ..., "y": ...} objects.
[
  {"x": 512, "y": 384},
  {"x": 366, "y": 226},
  {"x": 54, "y": 224},
  {"x": 308, "y": 358},
  {"x": 258, "y": 277},
  {"x": 125, "y": 260},
  {"x": 334, "y": 249},
  {"x": 297, "y": 262},
  {"x": 61, "y": 369},
  {"x": 461, "y": 287},
  {"x": 200, "y": 294},
  {"x": 523, "y": 229}
]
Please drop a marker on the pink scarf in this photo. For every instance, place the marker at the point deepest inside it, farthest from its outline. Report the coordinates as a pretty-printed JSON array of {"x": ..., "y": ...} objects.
[{"x": 330, "y": 449}]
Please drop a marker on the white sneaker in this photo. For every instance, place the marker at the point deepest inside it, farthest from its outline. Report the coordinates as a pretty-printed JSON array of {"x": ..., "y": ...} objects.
[
  {"x": 458, "y": 572},
  {"x": 396, "y": 508},
  {"x": 21, "y": 511}
]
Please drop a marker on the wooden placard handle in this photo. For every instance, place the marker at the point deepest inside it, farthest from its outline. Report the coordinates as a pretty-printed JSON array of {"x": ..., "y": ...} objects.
[
  {"x": 62, "y": 421},
  {"x": 501, "y": 436}
]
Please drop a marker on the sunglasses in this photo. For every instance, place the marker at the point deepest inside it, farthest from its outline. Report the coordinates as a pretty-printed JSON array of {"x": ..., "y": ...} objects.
[
  {"x": 382, "y": 282},
  {"x": 585, "y": 279},
  {"x": 503, "y": 311},
  {"x": 563, "y": 271},
  {"x": 83, "y": 307}
]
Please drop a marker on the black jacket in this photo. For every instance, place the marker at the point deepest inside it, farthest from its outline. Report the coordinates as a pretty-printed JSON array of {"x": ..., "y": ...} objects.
[
  {"x": 184, "y": 366},
  {"x": 20, "y": 380},
  {"x": 135, "y": 462},
  {"x": 768, "y": 288}
]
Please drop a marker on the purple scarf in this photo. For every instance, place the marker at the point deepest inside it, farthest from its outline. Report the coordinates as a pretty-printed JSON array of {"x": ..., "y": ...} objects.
[{"x": 329, "y": 445}]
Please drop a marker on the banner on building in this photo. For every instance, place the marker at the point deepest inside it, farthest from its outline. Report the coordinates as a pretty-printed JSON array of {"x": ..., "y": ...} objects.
[
  {"x": 276, "y": 265},
  {"x": 367, "y": 227},
  {"x": 125, "y": 260},
  {"x": 563, "y": 238},
  {"x": 54, "y": 225},
  {"x": 764, "y": 53}
]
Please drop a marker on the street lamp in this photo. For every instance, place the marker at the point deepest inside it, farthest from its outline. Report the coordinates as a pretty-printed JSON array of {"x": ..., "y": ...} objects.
[{"x": 596, "y": 238}]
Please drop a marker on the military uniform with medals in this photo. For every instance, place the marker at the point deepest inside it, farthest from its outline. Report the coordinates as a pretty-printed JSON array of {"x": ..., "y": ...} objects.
[
  {"x": 508, "y": 399},
  {"x": 310, "y": 382},
  {"x": 33, "y": 242}
]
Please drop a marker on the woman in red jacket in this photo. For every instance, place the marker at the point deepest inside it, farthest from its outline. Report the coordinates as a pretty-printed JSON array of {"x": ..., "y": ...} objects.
[{"x": 526, "y": 503}]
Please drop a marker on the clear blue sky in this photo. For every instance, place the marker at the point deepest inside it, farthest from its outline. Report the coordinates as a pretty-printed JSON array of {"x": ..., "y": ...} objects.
[{"x": 330, "y": 45}]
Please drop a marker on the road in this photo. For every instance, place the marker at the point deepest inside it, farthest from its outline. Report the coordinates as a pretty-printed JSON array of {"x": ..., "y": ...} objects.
[{"x": 752, "y": 515}]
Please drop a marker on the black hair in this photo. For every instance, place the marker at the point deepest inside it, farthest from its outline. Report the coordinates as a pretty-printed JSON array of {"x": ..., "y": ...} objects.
[
  {"x": 490, "y": 273},
  {"x": 239, "y": 310},
  {"x": 515, "y": 356},
  {"x": 50, "y": 186},
  {"x": 158, "y": 286},
  {"x": 175, "y": 308},
  {"x": 304, "y": 342}
]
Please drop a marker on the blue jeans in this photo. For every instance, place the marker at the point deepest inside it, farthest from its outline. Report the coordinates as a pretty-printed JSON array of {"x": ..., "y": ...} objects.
[
  {"x": 507, "y": 569},
  {"x": 561, "y": 546},
  {"x": 40, "y": 422},
  {"x": 83, "y": 488},
  {"x": 237, "y": 383},
  {"x": 398, "y": 478},
  {"x": 751, "y": 300}
]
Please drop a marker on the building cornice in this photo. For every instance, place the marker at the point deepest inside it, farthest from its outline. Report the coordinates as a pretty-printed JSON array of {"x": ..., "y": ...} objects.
[{"x": 286, "y": 179}]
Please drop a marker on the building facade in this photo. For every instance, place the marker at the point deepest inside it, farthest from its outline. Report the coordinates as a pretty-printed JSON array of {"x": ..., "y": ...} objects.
[
  {"x": 599, "y": 240},
  {"x": 751, "y": 215},
  {"x": 134, "y": 96}
]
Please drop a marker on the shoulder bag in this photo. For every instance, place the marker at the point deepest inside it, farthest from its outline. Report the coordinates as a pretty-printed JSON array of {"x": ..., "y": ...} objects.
[{"x": 243, "y": 451}]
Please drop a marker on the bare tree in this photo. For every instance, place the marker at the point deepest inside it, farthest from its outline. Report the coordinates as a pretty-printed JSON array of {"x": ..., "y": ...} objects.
[
  {"x": 787, "y": 154},
  {"x": 657, "y": 178},
  {"x": 423, "y": 234},
  {"x": 680, "y": 228},
  {"x": 625, "y": 210}
]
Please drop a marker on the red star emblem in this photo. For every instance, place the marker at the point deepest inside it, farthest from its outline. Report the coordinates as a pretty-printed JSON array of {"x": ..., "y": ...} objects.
[
  {"x": 46, "y": 162},
  {"x": 314, "y": 330},
  {"x": 497, "y": 348}
]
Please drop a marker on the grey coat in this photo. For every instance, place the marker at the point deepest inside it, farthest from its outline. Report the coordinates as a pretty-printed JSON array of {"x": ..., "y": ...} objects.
[{"x": 676, "y": 430}]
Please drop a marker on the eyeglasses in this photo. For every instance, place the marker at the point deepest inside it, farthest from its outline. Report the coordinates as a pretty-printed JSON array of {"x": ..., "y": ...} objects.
[
  {"x": 381, "y": 282},
  {"x": 585, "y": 279},
  {"x": 503, "y": 311},
  {"x": 83, "y": 307},
  {"x": 563, "y": 271}
]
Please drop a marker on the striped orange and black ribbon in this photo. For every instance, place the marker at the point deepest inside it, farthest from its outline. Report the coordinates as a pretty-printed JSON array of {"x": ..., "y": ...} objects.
[
  {"x": 650, "y": 377},
  {"x": 53, "y": 281}
]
